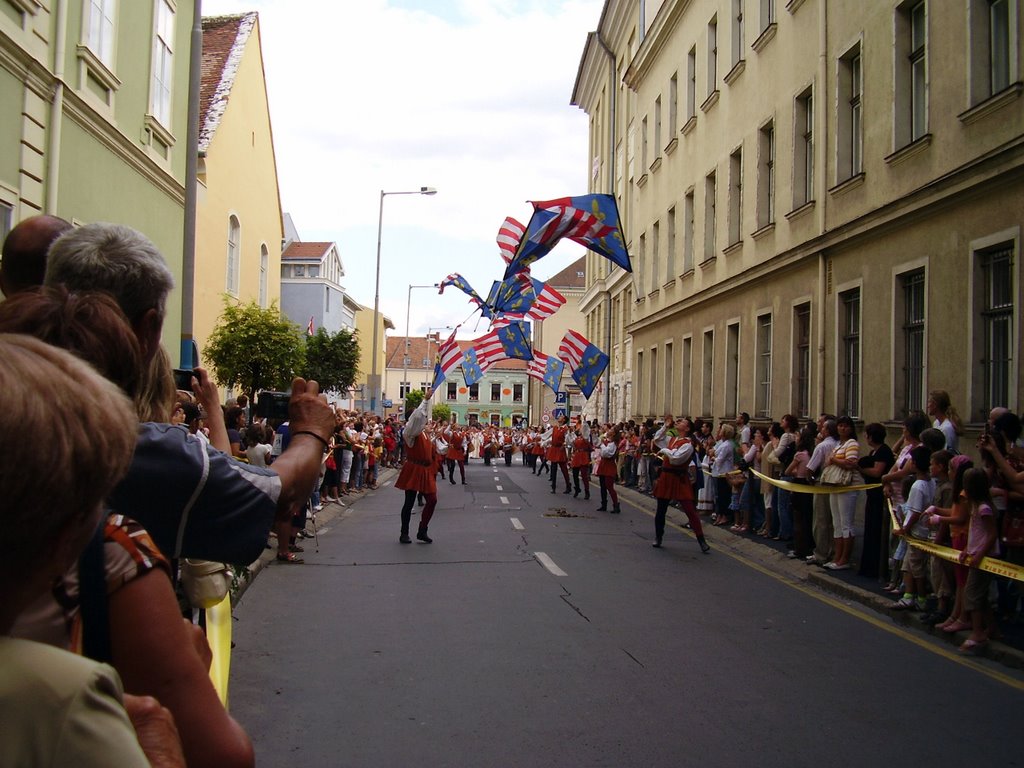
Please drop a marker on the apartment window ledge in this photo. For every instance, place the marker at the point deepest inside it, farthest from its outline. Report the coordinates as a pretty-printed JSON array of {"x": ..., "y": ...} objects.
[
  {"x": 793, "y": 5},
  {"x": 736, "y": 71},
  {"x": 27, "y": 6},
  {"x": 801, "y": 210},
  {"x": 656, "y": 164},
  {"x": 642, "y": 181},
  {"x": 765, "y": 37},
  {"x": 654, "y": 294},
  {"x": 98, "y": 69},
  {"x": 688, "y": 125},
  {"x": 687, "y": 275},
  {"x": 708, "y": 262},
  {"x": 732, "y": 248},
  {"x": 991, "y": 104},
  {"x": 669, "y": 284},
  {"x": 710, "y": 101},
  {"x": 847, "y": 184},
  {"x": 905, "y": 152},
  {"x": 165, "y": 137},
  {"x": 767, "y": 229},
  {"x": 671, "y": 146}
]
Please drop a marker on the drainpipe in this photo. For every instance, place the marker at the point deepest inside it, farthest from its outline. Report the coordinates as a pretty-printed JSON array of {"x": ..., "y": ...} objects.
[
  {"x": 822, "y": 160},
  {"x": 56, "y": 110},
  {"x": 613, "y": 93},
  {"x": 189, "y": 354}
]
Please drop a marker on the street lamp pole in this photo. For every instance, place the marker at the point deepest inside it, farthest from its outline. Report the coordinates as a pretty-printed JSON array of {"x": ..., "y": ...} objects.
[
  {"x": 374, "y": 381},
  {"x": 405, "y": 357}
]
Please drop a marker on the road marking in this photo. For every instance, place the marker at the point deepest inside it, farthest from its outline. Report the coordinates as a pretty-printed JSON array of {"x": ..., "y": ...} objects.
[
  {"x": 516, "y": 524},
  {"x": 548, "y": 563},
  {"x": 878, "y": 623},
  {"x": 503, "y": 499},
  {"x": 497, "y": 479},
  {"x": 498, "y": 488}
]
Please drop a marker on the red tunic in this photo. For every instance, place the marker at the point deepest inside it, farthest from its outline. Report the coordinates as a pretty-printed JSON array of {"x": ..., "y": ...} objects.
[
  {"x": 419, "y": 470},
  {"x": 580, "y": 452},
  {"x": 556, "y": 451},
  {"x": 607, "y": 467},
  {"x": 674, "y": 481},
  {"x": 455, "y": 450},
  {"x": 535, "y": 447}
]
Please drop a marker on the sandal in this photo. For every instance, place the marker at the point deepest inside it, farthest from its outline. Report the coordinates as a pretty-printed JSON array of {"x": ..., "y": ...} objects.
[
  {"x": 970, "y": 647},
  {"x": 290, "y": 558},
  {"x": 956, "y": 626}
]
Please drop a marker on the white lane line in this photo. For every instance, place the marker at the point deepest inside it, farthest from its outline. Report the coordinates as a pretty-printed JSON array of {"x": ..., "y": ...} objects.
[
  {"x": 516, "y": 524},
  {"x": 497, "y": 479},
  {"x": 498, "y": 488},
  {"x": 503, "y": 499},
  {"x": 548, "y": 563}
]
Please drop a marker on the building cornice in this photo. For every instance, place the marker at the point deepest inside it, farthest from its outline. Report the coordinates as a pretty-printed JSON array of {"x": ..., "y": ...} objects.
[{"x": 657, "y": 37}]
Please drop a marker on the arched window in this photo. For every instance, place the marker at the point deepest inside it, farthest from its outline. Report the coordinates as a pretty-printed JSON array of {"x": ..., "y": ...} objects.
[
  {"x": 264, "y": 267},
  {"x": 234, "y": 254}
]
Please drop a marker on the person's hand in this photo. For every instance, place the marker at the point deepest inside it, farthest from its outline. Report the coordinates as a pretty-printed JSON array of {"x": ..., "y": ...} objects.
[
  {"x": 198, "y": 639},
  {"x": 985, "y": 443},
  {"x": 308, "y": 410},
  {"x": 155, "y": 730},
  {"x": 205, "y": 390}
]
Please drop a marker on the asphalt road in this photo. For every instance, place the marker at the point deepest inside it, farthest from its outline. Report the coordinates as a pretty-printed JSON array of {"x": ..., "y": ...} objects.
[{"x": 521, "y": 637}]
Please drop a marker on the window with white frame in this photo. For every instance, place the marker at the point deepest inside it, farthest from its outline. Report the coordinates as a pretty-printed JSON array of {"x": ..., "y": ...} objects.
[
  {"x": 669, "y": 379},
  {"x": 802, "y": 360},
  {"x": 691, "y": 83},
  {"x": 652, "y": 401},
  {"x": 909, "y": 368},
  {"x": 673, "y": 106},
  {"x": 849, "y": 347},
  {"x": 994, "y": 40},
  {"x": 100, "y": 16},
  {"x": 688, "y": 218},
  {"x": 452, "y": 391},
  {"x": 849, "y": 123},
  {"x": 767, "y": 13},
  {"x": 641, "y": 263},
  {"x": 403, "y": 390},
  {"x": 707, "y": 374},
  {"x": 994, "y": 328},
  {"x": 763, "y": 396},
  {"x": 6, "y": 219},
  {"x": 655, "y": 256},
  {"x": 495, "y": 392},
  {"x": 670, "y": 245},
  {"x": 712, "y": 55},
  {"x": 710, "y": 193},
  {"x": 687, "y": 370},
  {"x": 163, "y": 63},
  {"x": 803, "y": 155},
  {"x": 643, "y": 146},
  {"x": 910, "y": 76},
  {"x": 999, "y": 50},
  {"x": 517, "y": 393},
  {"x": 766, "y": 175},
  {"x": 638, "y": 382},
  {"x": 234, "y": 255},
  {"x": 657, "y": 127},
  {"x": 737, "y": 31},
  {"x": 736, "y": 196},
  {"x": 474, "y": 393},
  {"x": 732, "y": 369}
]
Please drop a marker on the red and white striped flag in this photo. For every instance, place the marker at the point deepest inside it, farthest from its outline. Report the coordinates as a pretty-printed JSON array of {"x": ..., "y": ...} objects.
[
  {"x": 537, "y": 367},
  {"x": 309, "y": 328},
  {"x": 509, "y": 235},
  {"x": 507, "y": 319},
  {"x": 572, "y": 347},
  {"x": 449, "y": 355},
  {"x": 546, "y": 304},
  {"x": 489, "y": 349}
]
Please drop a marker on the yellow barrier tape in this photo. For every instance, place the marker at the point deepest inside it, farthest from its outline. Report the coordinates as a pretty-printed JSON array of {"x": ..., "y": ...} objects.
[
  {"x": 218, "y": 635},
  {"x": 827, "y": 489},
  {"x": 990, "y": 564}
]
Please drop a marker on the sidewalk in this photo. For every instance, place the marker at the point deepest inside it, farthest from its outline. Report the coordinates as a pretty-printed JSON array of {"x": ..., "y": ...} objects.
[{"x": 849, "y": 585}]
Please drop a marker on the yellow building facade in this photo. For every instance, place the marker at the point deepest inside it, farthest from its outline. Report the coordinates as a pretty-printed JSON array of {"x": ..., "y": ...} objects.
[{"x": 823, "y": 202}]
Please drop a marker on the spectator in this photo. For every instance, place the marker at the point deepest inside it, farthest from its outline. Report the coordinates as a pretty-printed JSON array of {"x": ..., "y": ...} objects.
[
  {"x": 981, "y": 539},
  {"x": 945, "y": 418},
  {"x": 873, "y": 467},
  {"x": 821, "y": 515},
  {"x": 843, "y": 506},
  {"x": 24, "y": 252},
  {"x": 915, "y": 563}
]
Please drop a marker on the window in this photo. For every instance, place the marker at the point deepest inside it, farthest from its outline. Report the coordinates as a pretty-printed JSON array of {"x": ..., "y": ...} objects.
[
  {"x": 495, "y": 392},
  {"x": 910, "y": 80},
  {"x": 669, "y": 380},
  {"x": 264, "y": 268},
  {"x": 687, "y": 362},
  {"x": 691, "y": 83},
  {"x": 655, "y": 261},
  {"x": 453, "y": 391},
  {"x": 688, "y": 232},
  {"x": 995, "y": 332},
  {"x": 763, "y": 396},
  {"x": 643, "y": 146},
  {"x": 474, "y": 393},
  {"x": 707, "y": 373},
  {"x": 999, "y": 49},
  {"x": 849, "y": 316},
  {"x": 712, "y": 55},
  {"x": 918, "y": 73},
  {"x": 517, "y": 393},
  {"x": 737, "y": 31},
  {"x": 638, "y": 380},
  {"x": 802, "y": 360},
  {"x": 850, "y": 138},
  {"x": 910, "y": 364},
  {"x": 670, "y": 245},
  {"x": 994, "y": 41},
  {"x": 641, "y": 264},
  {"x": 6, "y": 219},
  {"x": 652, "y": 401},
  {"x": 767, "y": 13},
  {"x": 732, "y": 366},
  {"x": 234, "y": 255},
  {"x": 657, "y": 127},
  {"x": 673, "y": 106},
  {"x": 803, "y": 155},
  {"x": 736, "y": 196},
  {"x": 766, "y": 175},
  {"x": 403, "y": 390},
  {"x": 709, "y": 216},
  {"x": 163, "y": 64},
  {"x": 99, "y": 33}
]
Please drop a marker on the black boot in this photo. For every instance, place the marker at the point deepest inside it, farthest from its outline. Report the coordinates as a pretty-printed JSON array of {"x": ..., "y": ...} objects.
[
  {"x": 586, "y": 493},
  {"x": 569, "y": 490},
  {"x": 703, "y": 545},
  {"x": 421, "y": 534},
  {"x": 576, "y": 493},
  {"x": 404, "y": 538},
  {"x": 615, "y": 509},
  {"x": 604, "y": 505},
  {"x": 657, "y": 542}
]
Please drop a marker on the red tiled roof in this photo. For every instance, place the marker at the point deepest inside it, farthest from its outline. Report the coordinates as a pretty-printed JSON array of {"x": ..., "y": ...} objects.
[
  {"x": 419, "y": 349},
  {"x": 573, "y": 276},
  {"x": 220, "y": 36},
  {"x": 306, "y": 250}
]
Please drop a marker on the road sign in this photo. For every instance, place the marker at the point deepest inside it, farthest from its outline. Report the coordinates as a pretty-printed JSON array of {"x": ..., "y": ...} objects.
[
  {"x": 545, "y": 418},
  {"x": 558, "y": 413},
  {"x": 561, "y": 398}
]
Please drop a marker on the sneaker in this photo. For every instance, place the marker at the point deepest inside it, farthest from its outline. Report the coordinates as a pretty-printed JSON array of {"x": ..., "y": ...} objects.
[
  {"x": 922, "y": 604},
  {"x": 318, "y": 507},
  {"x": 905, "y": 602},
  {"x": 791, "y": 554}
]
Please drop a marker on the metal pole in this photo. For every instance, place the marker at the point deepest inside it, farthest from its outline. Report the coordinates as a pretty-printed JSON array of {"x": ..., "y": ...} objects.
[
  {"x": 187, "y": 356},
  {"x": 405, "y": 355},
  {"x": 374, "y": 389}
]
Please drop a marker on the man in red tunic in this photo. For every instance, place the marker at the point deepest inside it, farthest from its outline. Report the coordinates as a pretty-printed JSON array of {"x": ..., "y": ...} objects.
[
  {"x": 580, "y": 461},
  {"x": 557, "y": 456},
  {"x": 456, "y": 453},
  {"x": 418, "y": 472},
  {"x": 676, "y": 451}
]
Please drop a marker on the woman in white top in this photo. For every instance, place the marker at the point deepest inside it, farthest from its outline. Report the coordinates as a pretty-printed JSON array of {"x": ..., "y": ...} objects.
[{"x": 945, "y": 418}]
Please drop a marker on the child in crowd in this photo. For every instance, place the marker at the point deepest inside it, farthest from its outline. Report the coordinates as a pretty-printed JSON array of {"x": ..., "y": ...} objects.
[
  {"x": 942, "y": 583},
  {"x": 922, "y": 493},
  {"x": 956, "y": 516},
  {"x": 981, "y": 539},
  {"x": 373, "y": 459}
]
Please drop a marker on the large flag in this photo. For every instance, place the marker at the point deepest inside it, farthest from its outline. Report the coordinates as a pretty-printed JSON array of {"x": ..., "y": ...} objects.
[
  {"x": 587, "y": 362},
  {"x": 448, "y": 357},
  {"x": 546, "y": 368},
  {"x": 547, "y": 301},
  {"x": 462, "y": 284},
  {"x": 514, "y": 342},
  {"x": 509, "y": 235},
  {"x": 590, "y": 220},
  {"x": 510, "y": 296},
  {"x": 473, "y": 367}
]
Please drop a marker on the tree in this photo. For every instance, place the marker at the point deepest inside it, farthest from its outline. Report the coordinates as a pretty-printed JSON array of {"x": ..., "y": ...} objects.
[
  {"x": 332, "y": 359},
  {"x": 253, "y": 348},
  {"x": 441, "y": 412},
  {"x": 412, "y": 401}
]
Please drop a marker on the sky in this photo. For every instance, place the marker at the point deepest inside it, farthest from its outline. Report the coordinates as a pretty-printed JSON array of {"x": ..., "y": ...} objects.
[{"x": 470, "y": 97}]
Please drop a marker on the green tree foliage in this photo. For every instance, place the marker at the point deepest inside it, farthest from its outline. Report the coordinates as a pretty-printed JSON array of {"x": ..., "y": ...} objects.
[
  {"x": 332, "y": 359},
  {"x": 412, "y": 401},
  {"x": 253, "y": 348},
  {"x": 441, "y": 412}
]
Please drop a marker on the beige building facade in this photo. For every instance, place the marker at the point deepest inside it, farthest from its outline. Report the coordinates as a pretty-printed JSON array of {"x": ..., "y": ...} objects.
[{"x": 823, "y": 202}]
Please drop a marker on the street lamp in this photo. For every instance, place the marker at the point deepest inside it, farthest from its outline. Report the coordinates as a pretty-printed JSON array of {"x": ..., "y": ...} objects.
[
  {"x": 405, "y": 357},
  {"x": 374, "y": 380}
]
